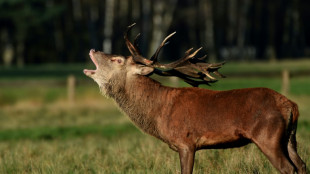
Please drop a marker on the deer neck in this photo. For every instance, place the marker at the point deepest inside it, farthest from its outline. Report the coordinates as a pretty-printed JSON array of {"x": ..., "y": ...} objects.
[{"x": 141, "y": 98}]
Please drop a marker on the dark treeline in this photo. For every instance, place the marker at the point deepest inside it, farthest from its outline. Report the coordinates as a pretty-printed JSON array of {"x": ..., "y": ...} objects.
[{"x": 56, "y": 31}]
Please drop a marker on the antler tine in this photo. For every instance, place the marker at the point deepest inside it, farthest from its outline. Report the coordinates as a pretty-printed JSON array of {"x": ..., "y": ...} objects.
[
  {"x": 219, "y": 74},
  {"x": 163, "y": 43},
  {"x": 186, "y": 75},
  {"x": 207, "y": 68},
  {"x": 202, "y": 58},
  {"x": 135, "y": 42},
  {"x": 194, "y": 53},
  {"x": 208, "y": 75},
  {"x": 192, "y": 72},
  {"x": 188, "y": 51},
  {"x": 133, "y": 50},
  {"x": 186, "y": 57}
]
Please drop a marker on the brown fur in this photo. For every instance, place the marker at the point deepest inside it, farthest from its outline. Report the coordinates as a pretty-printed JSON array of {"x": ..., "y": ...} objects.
[{"x": 189, "y": 119}]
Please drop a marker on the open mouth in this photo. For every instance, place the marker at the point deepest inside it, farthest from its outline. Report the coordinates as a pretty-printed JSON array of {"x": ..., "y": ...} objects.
[{"x": 91, "y": 55}]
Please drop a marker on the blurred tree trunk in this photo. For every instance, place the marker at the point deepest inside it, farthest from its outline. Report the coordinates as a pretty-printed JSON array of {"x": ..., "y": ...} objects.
[
  {"x": 206, "y": 9},
  {"x": 58, "y": 34},
  {"x": 242, "y": 28},
  {"x": 8, "y": 51},
  {"x": 162, "y": 18},
  {"x": 298, "y": 33},
  {"x": 20, "y": 48},
  {"x": 270, "y": 50},
  {"x": 157, "y": 31},
  {"x": 293, "y": 34},
  {"x": 94, "y": 16},
  {"x": 77, "y": 9},
  {"x": 58, "y": 37},
  {"x": 256, "y": 26},
  {"x": 121, "y": 20},
  {"x": 135, "y": 10},
  {"x": 135, "y": 16},
  {"x": 74, "y": 27},
  {"x": 232, "y": 22},
  {"x": 146, "y": 25},
  {"x": 108, "y": 26},
  {"x": 123, "y": 11}
]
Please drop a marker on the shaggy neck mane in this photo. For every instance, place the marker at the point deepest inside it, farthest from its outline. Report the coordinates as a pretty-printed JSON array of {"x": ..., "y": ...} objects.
[{"x": 143, "y": 105}]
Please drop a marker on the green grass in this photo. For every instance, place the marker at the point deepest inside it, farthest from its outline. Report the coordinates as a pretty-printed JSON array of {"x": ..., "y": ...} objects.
[
  {"x": 41, "y": 132},
  {"x": 49, "y": 133}
]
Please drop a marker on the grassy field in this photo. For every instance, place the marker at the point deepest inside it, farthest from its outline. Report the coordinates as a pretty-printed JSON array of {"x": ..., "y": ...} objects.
[{"x": 40, "y": 132}]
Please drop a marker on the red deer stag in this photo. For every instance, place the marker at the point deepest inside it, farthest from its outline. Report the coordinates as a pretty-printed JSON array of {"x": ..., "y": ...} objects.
[{"x": 190, "y": 119}]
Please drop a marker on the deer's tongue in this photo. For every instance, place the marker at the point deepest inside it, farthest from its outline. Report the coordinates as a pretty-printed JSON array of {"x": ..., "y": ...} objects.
[{"x": 91, "y": 55}]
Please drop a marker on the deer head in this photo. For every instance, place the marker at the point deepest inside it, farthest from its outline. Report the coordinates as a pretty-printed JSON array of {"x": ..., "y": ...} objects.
[{"x": 116, "y": 69}]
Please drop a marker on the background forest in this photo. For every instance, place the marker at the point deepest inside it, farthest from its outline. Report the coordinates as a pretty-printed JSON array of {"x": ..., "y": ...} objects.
[{"x": 55, "y": 31}]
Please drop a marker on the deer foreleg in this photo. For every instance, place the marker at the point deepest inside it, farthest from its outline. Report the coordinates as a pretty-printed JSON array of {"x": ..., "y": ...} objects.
[{"x": 187, "y": 156}]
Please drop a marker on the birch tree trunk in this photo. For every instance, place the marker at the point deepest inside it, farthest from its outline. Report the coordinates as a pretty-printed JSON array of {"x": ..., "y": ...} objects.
[
  {"x": 242, "y": 27},
  {"x": 77, "y": 9},
  {"x": 8, "y": 51},
  {"x": 146, "y": 25},
  {"x": 58, "y": 34},
  {"x": 270, "y": 50},
  {"x": 157, "y": 32},
  {"x": 20, "y": 59},
  {"x": 108, "y": 26},
  {"x": 206, "y": 8},
  {"x": 94, "y": 16},
  {"x": 121, "y": 19},
  {"x": 232, "y": 22},
  {"x": 162, "y": 18}
]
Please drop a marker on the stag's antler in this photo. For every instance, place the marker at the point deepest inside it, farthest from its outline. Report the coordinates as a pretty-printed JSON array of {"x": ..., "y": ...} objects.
[
  {"x": 133, "y": 48},
  {"x": 164, "y": 42},
  {"x": 193, "y": 71}
]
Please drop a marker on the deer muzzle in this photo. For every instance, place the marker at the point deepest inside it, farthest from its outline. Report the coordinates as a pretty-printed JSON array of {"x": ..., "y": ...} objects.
[{"x": 92, "y": 57}]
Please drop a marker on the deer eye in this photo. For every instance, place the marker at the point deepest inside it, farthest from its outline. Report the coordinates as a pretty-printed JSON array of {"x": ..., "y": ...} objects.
[{"x": 118, "y": 60}]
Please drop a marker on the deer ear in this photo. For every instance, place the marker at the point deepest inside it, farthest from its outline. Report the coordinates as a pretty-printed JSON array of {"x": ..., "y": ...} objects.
[{"x": 144, "y": 70}]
